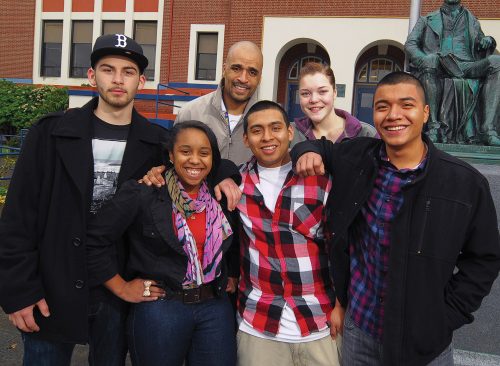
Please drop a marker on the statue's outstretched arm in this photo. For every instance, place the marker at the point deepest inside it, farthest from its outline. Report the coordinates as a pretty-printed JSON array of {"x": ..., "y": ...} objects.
[
  {"x": 482, "y": 42},
  {"x": 414, "y": 49},
  {"x": 414, "y": 41}
]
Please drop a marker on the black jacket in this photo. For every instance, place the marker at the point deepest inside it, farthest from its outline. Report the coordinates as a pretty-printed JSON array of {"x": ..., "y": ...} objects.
[
  {"x": 144, "y": 215},
  {"x": 447, "y": 221},
  {"x": 42, "y": 229}
]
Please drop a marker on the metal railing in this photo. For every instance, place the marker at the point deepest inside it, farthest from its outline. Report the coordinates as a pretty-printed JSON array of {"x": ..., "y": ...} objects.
[
  {"x": 161, "y": 86},
  {"x": 11, "y": 150}
]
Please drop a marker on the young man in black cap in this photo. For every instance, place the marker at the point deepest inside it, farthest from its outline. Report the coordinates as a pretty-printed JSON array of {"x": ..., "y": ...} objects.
[{"x": 72, "y": 162}]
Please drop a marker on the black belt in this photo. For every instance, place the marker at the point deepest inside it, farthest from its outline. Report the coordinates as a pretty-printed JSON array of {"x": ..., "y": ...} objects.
[{"x": 192, "y": 295}]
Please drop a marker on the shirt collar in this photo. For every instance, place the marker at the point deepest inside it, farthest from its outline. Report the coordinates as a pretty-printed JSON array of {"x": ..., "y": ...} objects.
[
  {"x": 305, "y": 126},
  {"x": 447, "y": 9},
  {"x": 351, "y": 128},
  {"x": 352, "y": 125},
  {"x": 386, "y": 162}
]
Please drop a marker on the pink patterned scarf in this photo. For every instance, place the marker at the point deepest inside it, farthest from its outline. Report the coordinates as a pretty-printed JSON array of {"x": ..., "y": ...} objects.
[{"x": 217, "y": 229}]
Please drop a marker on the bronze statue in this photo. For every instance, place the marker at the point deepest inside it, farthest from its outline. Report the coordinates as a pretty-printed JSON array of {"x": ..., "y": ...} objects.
[{"x": 452, "y": 57}]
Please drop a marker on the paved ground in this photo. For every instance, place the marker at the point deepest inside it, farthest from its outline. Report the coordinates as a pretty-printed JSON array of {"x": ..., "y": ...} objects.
[
  {"x": 11, "y": 346},
  {"x": 483, "y": 335}
]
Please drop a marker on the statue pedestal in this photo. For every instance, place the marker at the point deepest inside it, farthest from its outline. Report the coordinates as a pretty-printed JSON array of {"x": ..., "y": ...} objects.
[
  {"x": 486, "y": 159},
  {"x": 473, "y": 154}
]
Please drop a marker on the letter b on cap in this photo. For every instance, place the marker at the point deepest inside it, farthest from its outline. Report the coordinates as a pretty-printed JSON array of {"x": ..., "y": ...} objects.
[{"x": 122, "y": 40}]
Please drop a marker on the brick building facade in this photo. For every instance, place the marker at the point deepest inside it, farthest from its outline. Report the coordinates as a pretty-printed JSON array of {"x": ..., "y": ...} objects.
[
  {"x": 243, "y": 19},
  {"x": 17, "y": 24}
]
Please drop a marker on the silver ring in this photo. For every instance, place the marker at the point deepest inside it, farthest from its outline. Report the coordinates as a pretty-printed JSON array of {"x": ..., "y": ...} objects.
[{"x": 147, "y": 292}]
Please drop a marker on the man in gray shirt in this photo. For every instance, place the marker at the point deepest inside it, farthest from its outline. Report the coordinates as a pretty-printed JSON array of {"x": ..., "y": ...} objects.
[{"x": 223, "y": 110}]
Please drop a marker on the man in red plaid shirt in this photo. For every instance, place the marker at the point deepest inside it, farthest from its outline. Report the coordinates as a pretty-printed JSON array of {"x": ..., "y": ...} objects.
[{"x": 286, "y": 297}]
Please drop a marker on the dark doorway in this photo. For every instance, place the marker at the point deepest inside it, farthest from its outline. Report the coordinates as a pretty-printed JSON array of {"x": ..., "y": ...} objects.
[{"x": 291, "y": 62}]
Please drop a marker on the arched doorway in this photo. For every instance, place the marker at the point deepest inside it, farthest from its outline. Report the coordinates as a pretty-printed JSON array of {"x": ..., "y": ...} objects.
[
  {"x": 291, "y": 62},
  {"x": 372, "y": 66}
]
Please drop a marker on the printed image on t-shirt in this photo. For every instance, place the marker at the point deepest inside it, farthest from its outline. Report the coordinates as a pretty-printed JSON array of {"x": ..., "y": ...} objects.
[{"x": 108, "y": 155}]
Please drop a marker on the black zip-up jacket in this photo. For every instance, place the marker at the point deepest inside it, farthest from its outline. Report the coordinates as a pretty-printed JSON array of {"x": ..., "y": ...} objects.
[
  {"x": 445, "y": 248},
  {"x": 143, "y": 215},
  {"x": 43, "y": 223}
]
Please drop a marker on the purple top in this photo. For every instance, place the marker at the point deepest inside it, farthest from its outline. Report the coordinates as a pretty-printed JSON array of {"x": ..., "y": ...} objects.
[{"x": 352, "y": 126}]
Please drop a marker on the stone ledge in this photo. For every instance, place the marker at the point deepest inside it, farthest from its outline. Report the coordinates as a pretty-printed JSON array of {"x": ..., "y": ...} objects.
[{"x": 476, "y": 154}]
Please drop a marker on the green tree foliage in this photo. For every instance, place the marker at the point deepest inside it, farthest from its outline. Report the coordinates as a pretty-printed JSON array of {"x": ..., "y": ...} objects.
[
  {"x": 21, "y": 105},
  {"x": 6, "y": 167}
]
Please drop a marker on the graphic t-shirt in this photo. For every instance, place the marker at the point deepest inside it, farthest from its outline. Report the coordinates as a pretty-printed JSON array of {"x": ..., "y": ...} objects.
[{"x": 108, "y": 146}]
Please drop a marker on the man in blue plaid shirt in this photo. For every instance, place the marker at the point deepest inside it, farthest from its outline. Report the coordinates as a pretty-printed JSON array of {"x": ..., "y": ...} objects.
[{"x": 415, "y": 244}]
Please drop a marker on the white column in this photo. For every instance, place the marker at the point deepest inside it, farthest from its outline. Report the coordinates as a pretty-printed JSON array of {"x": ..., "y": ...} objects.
[
  {"x": 159, "y": 31},
  {"x": 415, "y": 7},
  {"x": 66, "y": 41},
  {"x": 129, "y": 18},
  {"x": 37, "y": 49},
  {"x": 97, "y": 26}
]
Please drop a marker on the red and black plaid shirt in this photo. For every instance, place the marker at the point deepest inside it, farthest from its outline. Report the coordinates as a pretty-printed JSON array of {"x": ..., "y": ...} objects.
[{"x": 283, "y": 254}]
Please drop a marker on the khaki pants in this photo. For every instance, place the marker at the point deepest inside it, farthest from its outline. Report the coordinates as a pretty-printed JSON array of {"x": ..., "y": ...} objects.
[{"x": 255, "y": 351}]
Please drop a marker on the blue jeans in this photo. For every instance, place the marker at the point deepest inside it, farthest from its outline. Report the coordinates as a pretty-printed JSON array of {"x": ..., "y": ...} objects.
[
  {"x": 169, "y": 332},
  {"x": 107, "y": 342},
  {"x": 361, "y": 349}
]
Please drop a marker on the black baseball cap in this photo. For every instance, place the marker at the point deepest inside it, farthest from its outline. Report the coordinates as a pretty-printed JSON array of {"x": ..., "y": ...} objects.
[{"x": 121, "y": 45}]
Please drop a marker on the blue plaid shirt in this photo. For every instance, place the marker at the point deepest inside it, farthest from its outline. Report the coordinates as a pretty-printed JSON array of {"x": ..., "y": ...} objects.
[{"x": 370, "y": 242}]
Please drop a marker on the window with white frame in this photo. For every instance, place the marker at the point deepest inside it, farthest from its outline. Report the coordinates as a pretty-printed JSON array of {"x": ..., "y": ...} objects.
[
  {"x": 308, "y": 59},
  {"x": 206, "y": 56},
  {"x": 51, "y": 48},
  {"x": 374, "y": 70},
  {"x": 81, "y": 48},
  {"x": 145, "y": 35},
  {"x": 293, "y": 74},
  {"x": 205, "y": 53},
  {"x": 379, "y": 68},
  {"x": 113, "y": 27},
  {"x": 63, "y": 40},
  {"x": 294, "y": 70}
]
